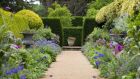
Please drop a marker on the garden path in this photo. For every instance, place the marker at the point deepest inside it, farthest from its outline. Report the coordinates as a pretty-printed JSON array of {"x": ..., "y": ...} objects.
[{"x": 71, "y": 65}]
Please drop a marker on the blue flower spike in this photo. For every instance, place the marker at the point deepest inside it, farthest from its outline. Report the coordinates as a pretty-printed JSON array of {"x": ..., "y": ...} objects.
[
  {"x": 22, "y": 77},
  {"x": 101, "y": 55},
  {"x": 95, "y": 57},
  {"x": 97, "y": 64}
]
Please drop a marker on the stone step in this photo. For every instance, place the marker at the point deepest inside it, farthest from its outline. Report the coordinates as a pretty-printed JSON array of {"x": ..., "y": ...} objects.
[{"x": 71, "y": 48}]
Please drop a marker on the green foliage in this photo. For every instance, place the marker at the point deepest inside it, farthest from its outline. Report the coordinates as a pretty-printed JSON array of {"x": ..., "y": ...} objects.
[
  {"x": 77, "y": 21},
  {"x": 120, "y": 23},
  {"x": 14, "y": 23},
  {"x": 34, "y": 21},
  {"x": 73, "y": 32},
  {"x": 97, "y": 4},
  {"x": 94, "y": 6},
  {"x": 61, "y": 12},
  {"x": 99, "y": 33},
  {"x": 55, "y": 26},
  {"x": 44, "y": 33},
  {"x": 35, "y": 60},
  {"x": 91, "y": 13},
  {"x": 133, "y": 34},
  {"x": 88, "y": 26},
  {"x": 117, "y": 8},
  {"x": 40, "y": 10}
]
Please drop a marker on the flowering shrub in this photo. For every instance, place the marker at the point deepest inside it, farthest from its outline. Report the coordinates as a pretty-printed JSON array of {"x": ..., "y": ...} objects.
[
  {"x": 34, "y": 21},
  {"x": 44, "y": 33},
  {"x": 19, "y": 63},
  {"x": 12, "y": 22},
  {"x": 115, "y": 60}
]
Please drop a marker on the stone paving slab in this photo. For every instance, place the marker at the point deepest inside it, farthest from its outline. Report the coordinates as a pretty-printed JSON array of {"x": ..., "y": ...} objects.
[{"x": 71, "y": 65}]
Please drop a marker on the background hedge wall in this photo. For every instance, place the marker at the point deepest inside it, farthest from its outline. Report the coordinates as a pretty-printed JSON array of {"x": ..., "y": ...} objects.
[
  {"x": 55, "y": 25},
  {"x": 77, "y": 21},
  {"x": 88, "y": 26},
  {"x": 74, "y": 32}
]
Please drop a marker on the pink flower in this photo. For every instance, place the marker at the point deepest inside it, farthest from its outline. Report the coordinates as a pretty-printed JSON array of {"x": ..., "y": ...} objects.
[{"x": 13, "y": 46}]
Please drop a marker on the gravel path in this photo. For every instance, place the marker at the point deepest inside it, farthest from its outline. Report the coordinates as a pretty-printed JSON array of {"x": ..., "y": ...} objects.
[{"x": 71, "y": 65}]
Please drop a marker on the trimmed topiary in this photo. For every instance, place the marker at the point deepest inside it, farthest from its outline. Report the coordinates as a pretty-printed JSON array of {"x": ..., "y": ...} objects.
[
  {"x": 73, "y": 32},
  {"x": 34, "y": 21}
]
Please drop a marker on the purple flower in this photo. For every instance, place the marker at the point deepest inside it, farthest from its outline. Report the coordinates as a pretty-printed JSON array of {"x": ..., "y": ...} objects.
[
  {"x": 7, "y": 8},
  {"x": 8, "y": 72},
  {"x": 97, "y": 64},
  {"x": 118, "y": 48},
  {"x": 14, "y": 70},
  {"x": 20, "y": 67},
  {"x": 97, "y": 52},
  {"x": 95, "y": 57},
  {"x": 101, "y": 55},
  {"x": 111, "y": 45},
  {"x": 13, "y": 46},
  {"x": 22, "y": 77}
]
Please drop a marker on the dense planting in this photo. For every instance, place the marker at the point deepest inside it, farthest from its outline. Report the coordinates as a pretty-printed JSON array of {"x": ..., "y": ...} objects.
[
  {"x": 18, "y": 62},
  {"x": 110, "y": 32},
  {"x": 115, "y": 49}
]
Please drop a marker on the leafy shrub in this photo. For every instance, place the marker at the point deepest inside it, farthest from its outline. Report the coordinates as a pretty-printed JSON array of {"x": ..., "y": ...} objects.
[
  {"x": 44, "y": 33},
  {"x": 61, "y": 12},
  {"x": 98, "y": 33},
  {"x": 120, "y": 23},
  {"x": 14, "y": 23},
  {"x": 34, "y": 21},
  {"x": 133, "y": 34},
  {"x": 98, "y": 4},
  {"x": 115, "y": 9},
  {"x": 94, "y": 6},
  {"x": 29, "y": 63},
  {"x": 91, "y": 12},
  {"x": 40, "y": 10}
]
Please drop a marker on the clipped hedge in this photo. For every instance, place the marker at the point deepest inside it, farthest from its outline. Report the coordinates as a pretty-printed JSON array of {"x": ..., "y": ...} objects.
[
  {"x": 34, "y": 21},
  {"x": 55, "y": 25},
  {"x": 14, "y": 23},
  {"x": 88, "y": 26},
  {"x": 77, "y": 21},
  {"x": 73, "y": 32}
]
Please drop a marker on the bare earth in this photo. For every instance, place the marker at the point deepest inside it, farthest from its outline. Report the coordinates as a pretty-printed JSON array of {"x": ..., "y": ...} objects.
[{"x": 71, "y": 65}]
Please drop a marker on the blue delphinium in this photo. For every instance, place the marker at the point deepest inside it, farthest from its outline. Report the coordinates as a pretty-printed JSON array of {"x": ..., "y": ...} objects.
[
  {"x": 96, "y": 57},
  {"x": 8, "y": 72},
  {"x": 15, "y": 70},
  {"x": 97, "y": 52},
  {"x": 20, "y": 67},
  {"x": 22, "y": 77},
  {"x": 50, "y": 43},
  {"x": 97, "y": 64},
  {"x": 101, "y": 55},
  {"x": 44, "y": 57}
]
